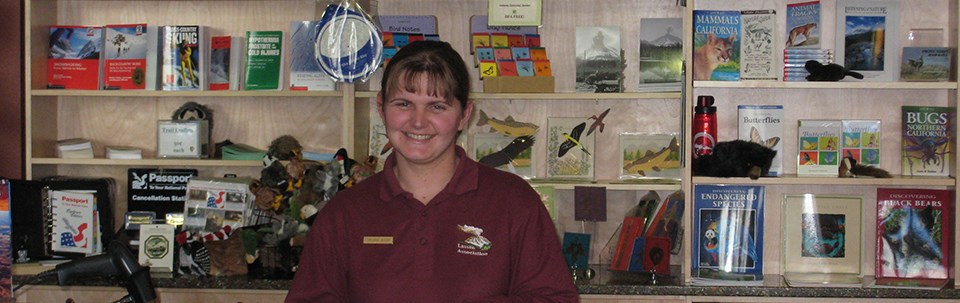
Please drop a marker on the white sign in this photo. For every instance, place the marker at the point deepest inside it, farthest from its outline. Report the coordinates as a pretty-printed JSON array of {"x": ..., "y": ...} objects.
[{"x": 515, "y": 12}]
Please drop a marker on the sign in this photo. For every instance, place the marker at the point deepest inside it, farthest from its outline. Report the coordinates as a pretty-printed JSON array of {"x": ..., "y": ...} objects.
[{"x": 515, "y": 12}]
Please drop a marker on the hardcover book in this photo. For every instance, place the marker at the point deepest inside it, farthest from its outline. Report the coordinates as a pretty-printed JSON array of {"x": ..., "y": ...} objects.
[
  {"x": 264, "y": 63},
  {"x": 226, "y": 53},
  {"x": 598, "y": 59},
  {"x": 727, "y": 232},
  {"x": 914, "y": 234},
  {"x": 757, "y": 55},
  {"x": 819, "y": 147},
  {"x": 649, "y": 156},
  {"x": 925, "y": 64},
  {"x": 926, "y": 148},
  {"x": 661, "y": 54},
  {"x": 126, "y": 50},
  {"x": 305, "y": 72},
  {"x": 803, "y": 25},
  {"x": 716, "y": 44},
  {"x": 821, "y": 239},
  {"x": 861, "y": 141},
  {"x": 569, "y": 149},
  {"x": 868, "y": 38},
  {"x": 74, "y": 58},
  {"x": 184, "y": 56},
  {"x": 763, "y": 124}
]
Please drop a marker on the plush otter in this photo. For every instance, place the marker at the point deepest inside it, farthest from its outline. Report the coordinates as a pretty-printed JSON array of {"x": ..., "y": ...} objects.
[
  {"x": 736, "y": 158},
  {"x": 829, "y": 72}
]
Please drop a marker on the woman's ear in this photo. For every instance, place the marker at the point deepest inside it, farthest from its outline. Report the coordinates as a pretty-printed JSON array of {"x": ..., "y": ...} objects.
[
  {"x": 467, "y": 113},
  {"x": 380, "y": 104}
]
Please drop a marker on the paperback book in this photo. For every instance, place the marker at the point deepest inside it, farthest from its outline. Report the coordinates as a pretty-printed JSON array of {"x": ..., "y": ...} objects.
[
  {"x": 757, "y": 55},
  {"x": 716, "y": 44},
  {"x": 305, "y": 71},
  {"x": 868, "y": 38},
  {"x": 803, "y": 25},
  {"x": 914, "y": 236},
  {"x": 821, "y": 239},
  {"x": 183, "y": 54},
  {"x": 264, "y": 62},
  {"x": 599, "y": 61},
  {"x": 661, "y": 54},
  {"x": 73, "y": 221},
  {"x": 763, "y": 124},
  {"x": 927, "y": 134},
  {"x": 861, "y": 141},
  {"x": 226, "y": 53},
  {"x": 925, "y": 64},
  {"x": 727, "y": 233},
  {"x": 74, "y": 58},
  {"x": 127, "y": 50},
  {"x": 819, "y": 147}
]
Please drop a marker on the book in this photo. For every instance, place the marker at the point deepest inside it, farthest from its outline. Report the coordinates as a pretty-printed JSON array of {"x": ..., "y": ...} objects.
[
  {"x": 156, "y": 247},
  {"x": 73, "y": 61},
  {"x": 184, "y": 51},
  {"x": 305, "y": 71},
  {"x": 226, "y": 53},
  {"x": 822, "y": 239},
  {"x": 649, "y": 156},
  {"x": 926, "y": 145},
  {"x": 868, "y": 38},
  {"x": 819, "y": 147},
  {"x": 264, "y": 61},
  {"x": 240, "y": 151},
  {"x": 569, "y": 150},
  {"x": 661, "y": 54},
  {"x": 6, "y": 247},
  {"x": 598, "y": 59},
  {"x": 914, "y": 234},
  {"x": 803, "y": 25},
  {"x": 861, "y": 141},
  {"x": 73, "y": 228},
  {"x": 925, "y": 64},
  {"x": 127, "y": 50},
  {"x": 763, "y": 124},
  {"x": 76, "y": 148},
  {"x": 716, "y": 44},
  {"x": 123, "y": 152},
  {"x": 727, "y": 233},
  {"x": 757, "y": 55}
]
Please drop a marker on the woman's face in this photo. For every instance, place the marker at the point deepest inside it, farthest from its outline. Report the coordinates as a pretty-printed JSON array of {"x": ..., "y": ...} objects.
[{"x": 422, "y": 128}]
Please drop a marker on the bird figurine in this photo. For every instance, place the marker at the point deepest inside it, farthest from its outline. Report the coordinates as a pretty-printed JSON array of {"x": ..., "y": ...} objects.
[
  {"x": 345, "y": 165},
  {"x": 598, "y": 122},
  {"x": 572, "y": 140}
]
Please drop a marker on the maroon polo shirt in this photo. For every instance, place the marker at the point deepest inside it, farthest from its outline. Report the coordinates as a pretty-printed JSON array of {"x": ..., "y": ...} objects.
[{"x": 485, "y": 237}]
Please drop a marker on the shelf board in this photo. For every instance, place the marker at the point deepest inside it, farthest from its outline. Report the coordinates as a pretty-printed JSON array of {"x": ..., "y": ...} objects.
[
  {"x": 148, "y": 162},
  {"x": 797, "y": 180},
  {"x": 557, "y": 96},
  {"x": 821, "y": 85},
  {"x": 154, "y": 93},
  {"x": 610, "y": 184}
]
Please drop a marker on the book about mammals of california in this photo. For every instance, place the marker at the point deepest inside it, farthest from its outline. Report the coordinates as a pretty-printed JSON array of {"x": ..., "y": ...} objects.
[
  {"x": 264, "y": 64},
  {"x": 914, "y": 235},
  {"x": 819, "y": 147},
  {"x": 73, "y": 61},
  {"x": 927, "y": 134},
  {"x": 868, "y": 38},
  {"x": 716, "y": 44},
  {"x": 183, "y": 55},
  {"x": 728, "y": 232}
]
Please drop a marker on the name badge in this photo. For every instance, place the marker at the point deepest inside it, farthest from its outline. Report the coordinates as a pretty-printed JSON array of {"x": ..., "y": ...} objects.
[{"x": 377, "y": 240}]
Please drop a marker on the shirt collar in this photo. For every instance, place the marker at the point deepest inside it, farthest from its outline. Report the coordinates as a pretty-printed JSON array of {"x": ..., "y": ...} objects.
[{"x": 464, "y": 177}]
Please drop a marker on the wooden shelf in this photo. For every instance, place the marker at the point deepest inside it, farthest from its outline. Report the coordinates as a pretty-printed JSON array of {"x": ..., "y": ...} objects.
[
  {"x": 146, "y": 93},
  {"x": 797, "y": 180},
  {"x": 556, "y": 96},
  {"x": 610, "y": 184},
  {"x": 822, "y": 85},
  {"x": 149, "y": 162}
]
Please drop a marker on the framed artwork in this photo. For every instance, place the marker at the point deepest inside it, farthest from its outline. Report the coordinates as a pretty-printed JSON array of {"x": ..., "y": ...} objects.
[
  {"x": 645, "y": 156},
  {"x": 569, "y": 149},
  {"x": 505, "y": 153},
  {"x": 822, "y": 234}
]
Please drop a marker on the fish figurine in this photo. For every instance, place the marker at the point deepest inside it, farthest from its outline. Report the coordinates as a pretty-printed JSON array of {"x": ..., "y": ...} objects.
[
  {"x": 508, "y": 153},
  {"x": 507, "y": 127},
  {"x": 572, "y": 140}
]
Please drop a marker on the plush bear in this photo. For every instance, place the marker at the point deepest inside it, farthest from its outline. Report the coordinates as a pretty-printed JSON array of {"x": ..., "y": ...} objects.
[
  {"x": 736, "y": 158},
  {"x": 829, "y": 72}
]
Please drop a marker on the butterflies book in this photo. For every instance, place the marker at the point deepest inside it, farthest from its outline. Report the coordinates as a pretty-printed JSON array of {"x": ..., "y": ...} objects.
[
  {"x": 569, "y": 149},
  {"x": 926, "y": 145},
  {"x": 727, "y": 233},
  {"x": 861, "y": 141},
  {"x": 914, "y": 235},
  {"x": 763, "y": 124},
  {"x": 819, "y": 147},
  {"x": 821, "y": 239}
]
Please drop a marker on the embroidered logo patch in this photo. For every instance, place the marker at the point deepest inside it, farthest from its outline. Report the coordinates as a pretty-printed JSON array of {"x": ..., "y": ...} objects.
[{"x": 476, "y": 244}]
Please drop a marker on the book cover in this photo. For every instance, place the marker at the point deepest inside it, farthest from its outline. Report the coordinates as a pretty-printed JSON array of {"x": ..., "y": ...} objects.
[
  {"x": 914, "y": 234},
  {"x": 645, "y": 156},
  {"x": 666, "y": 221},
  {"x": 183, "y": 56},
  {"x": 410, "y": 24},
  {"x": 226, "y": 53},
  {"x": 598, "y": 59},
  {"x": 661, "y": 54},
  {"x": 569, "y": 150},
  {"x": 6, "y": 247},
  {"x": 126, "y": 48},
  {"x": 868, "y": 38},
  {"x": 763, "y": 124},
  {"x": 73, "y": 226},
  {"x": 925, "y": 64},
  {"x": 716, "y": 44},
  {"x": 511, "y": 154},
  {"x": 861, "y": 141},
  {"x": 74, "y": 58},
  {"x": 728, "y": 232},
  {"x": 821, "y": 235},
  {"x": 305, "y": 71},
  {"x": 757, "y": 55},
  {"x": 819, "y": 147},
  {"x": 264, "y": 62},
  {"x": 803, "y": 25},
  {"x": 927, "y": 133}
]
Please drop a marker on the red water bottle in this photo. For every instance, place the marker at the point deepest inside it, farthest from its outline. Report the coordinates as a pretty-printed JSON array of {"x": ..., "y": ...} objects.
[{"x": 704, "y": 126}]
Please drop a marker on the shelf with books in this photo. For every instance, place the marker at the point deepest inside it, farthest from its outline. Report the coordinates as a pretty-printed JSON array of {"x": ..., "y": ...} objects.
[
  {"x": 554, "y": 96},
  {"x": 611, "y": 184},
  {"x": 826, "y": 85},
  {"x": 797, "y": 180},
  {"x": 157, "y": 93},
  {"x": 150, "y": 162}
]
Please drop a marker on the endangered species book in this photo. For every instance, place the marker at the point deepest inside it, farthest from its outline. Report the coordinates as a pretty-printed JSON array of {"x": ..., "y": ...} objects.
[
  {"x": 925, "y": 64},
  {"x": 127, "y": 49},
  {"x": 868, "y": 38},
  {"x": 716, "y": 44},
  {"x": 184, "y": 55},
  {"x": 727, "y": 233},
  {"x": 305, "y": 72},
  {"x": 803, "y": 25},
  {"x": 264, "y": 63},
  {"x": 914, "y": 235},
  {"x": 72, "y": 216},
  {"x": 763, "y": 124},
  {"x": 225, "y": 55},
  {"x": 645, "y": 156},
  {"x": 861, "y": 141},
  {"x": 819, "y": 147},
  {"x": 757, "y": 55},
  {"x": 598, "y": 60},
  {"x": 74, "y": 58},
  {"x": 505, "y": 153},
  {"x": 927, "y": 134},
  {"x": 569, "y": 149},
  {"x": 822, "y": 239},
  {"x": 661, "y": 54}
]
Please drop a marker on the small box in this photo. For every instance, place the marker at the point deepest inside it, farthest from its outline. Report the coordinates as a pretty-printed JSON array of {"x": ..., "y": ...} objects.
[
  {"x": 518, "y": 84},
  {"x": 183, "y": 139}
]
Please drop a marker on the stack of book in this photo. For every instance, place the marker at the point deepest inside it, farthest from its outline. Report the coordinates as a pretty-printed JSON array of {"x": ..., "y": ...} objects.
[
  {"x": 242, "y": 152},
  {"x": 795, "y": 58},
  {"x": 124, "y": 153},
  {"x": 77, "y": 148}
]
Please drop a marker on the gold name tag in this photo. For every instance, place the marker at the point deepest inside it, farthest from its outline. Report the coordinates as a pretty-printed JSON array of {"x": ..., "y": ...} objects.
[{"x": 377, "y": 240}]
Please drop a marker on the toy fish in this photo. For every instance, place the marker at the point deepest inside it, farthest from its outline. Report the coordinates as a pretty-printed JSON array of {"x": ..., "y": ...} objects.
[
  {"x": 655, "y": 160},
  {"x": 508, "y": 127},
  {"x": 508, "y": 153},
  {"x": 598, "y": 122},
  {"x": 572, "y": 140}
]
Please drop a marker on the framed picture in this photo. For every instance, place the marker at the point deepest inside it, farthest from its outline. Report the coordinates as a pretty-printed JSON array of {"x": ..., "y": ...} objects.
[
  {"x": 569, "y": 149},
  {"x": 645, "y": 156},
  {"x": 505, "y": 153},
  {"x": 822, "y": 234}
]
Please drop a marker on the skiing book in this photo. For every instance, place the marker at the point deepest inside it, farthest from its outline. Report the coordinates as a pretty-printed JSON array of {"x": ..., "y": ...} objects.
[
  {"x": 305, "y": 72},
  {"x": 926, "y": 143},
  {"x": 264, "y": 67},
  {"x": 74, "y": 58},
  {"x": 763, "y": 124},
  {"x": 914, "y": 236},
  {"x": 716, "y": 44},
  {"x": 184, "y": 54},
  {"x": 127, "y": 50},
  {"x": 803, "y": 25},
  {"x": 727, "y": 233},
  {"x": 868, "y": 38},
  {"x": 819, "y": 147}
]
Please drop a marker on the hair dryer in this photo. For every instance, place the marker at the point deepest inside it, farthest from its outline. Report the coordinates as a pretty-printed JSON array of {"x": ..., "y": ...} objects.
[{"x": 118, "y": 261}]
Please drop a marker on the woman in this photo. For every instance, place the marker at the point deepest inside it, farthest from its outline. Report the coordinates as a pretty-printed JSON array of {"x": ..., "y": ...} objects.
[{"x": 434, "y": 225}]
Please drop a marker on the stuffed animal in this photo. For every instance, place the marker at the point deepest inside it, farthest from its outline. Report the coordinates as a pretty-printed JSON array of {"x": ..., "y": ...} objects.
[
  {"x": 829, "y": 72},
  {"x": 736, "y": 158},
  {"x": 849, "y": 168}
]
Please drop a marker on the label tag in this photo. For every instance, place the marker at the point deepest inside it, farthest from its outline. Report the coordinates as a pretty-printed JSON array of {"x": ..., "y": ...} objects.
[{"x": 377, "y": 240}]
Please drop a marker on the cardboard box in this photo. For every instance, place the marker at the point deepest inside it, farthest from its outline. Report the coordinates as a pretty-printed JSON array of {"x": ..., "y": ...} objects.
[{"x": 518, "y": 84}]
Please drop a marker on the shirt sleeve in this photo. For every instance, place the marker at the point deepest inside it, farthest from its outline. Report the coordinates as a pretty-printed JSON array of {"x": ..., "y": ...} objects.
[{"x": 321, "y": 275}]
